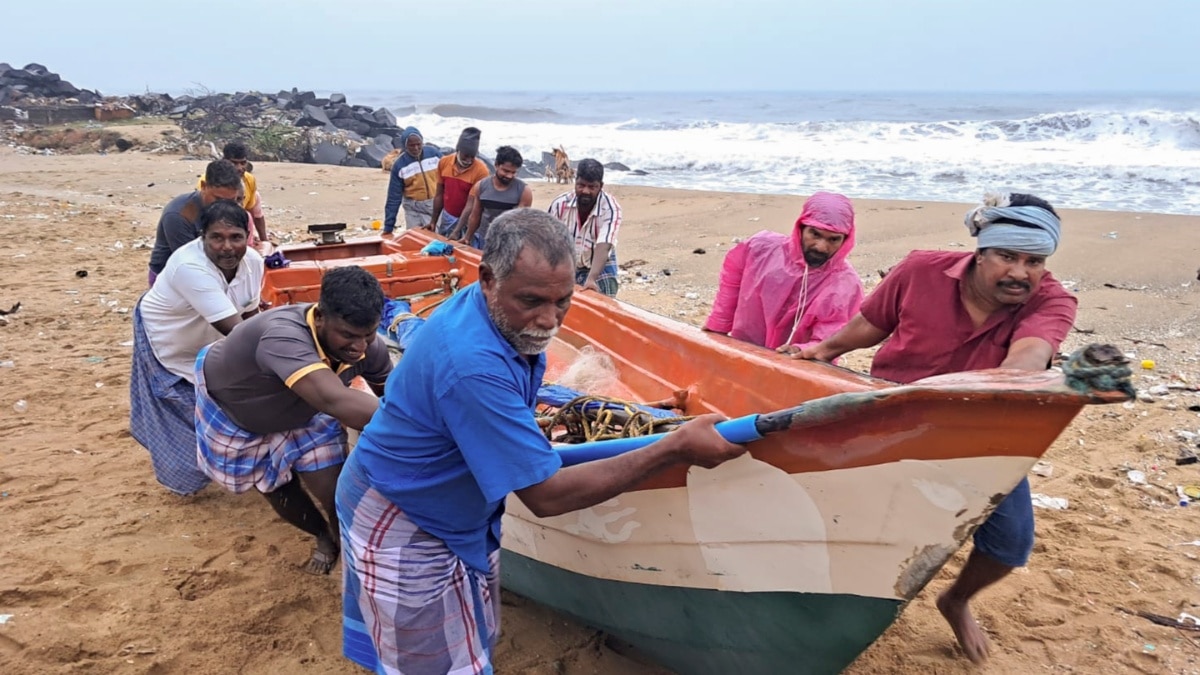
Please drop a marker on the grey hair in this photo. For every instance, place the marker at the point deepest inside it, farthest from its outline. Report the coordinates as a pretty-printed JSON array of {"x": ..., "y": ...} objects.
[{"x": 513, "y": 230}]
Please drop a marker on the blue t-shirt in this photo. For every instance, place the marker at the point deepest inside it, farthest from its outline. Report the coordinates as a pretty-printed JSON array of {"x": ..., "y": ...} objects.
[{"x": 455, "y": 431}]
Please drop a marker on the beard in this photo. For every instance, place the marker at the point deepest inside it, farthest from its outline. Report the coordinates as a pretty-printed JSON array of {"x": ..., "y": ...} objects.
[
  {"x": 815, "y": 258},
  {"x": 528, "y": 342},
  {"x": 504, "y": 180}
]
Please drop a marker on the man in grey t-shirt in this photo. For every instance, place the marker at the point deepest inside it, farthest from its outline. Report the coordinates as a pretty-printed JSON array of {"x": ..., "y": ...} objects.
[
  {"x": 273, "y": 398},
  {"x": 180, "y": 219},
  {"x": 500, "y": 192}
]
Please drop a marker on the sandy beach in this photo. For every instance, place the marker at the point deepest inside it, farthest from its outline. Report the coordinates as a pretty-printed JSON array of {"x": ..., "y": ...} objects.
[{"x": 104, "y": 571}]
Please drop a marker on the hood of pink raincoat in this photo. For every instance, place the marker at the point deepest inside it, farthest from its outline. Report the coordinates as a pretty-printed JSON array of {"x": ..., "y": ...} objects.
[{"x": 825, "y": 211}]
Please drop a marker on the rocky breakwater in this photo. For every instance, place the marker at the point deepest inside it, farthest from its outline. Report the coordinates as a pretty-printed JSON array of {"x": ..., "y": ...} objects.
[
  {"x": 286, "y": 126},
  {"x": 36, "y": 85},
  {"x": 34, "y": 95}
]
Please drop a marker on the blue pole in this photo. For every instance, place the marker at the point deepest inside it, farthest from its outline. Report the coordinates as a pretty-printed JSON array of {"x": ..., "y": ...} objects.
[{"x": 739, "y": 430}]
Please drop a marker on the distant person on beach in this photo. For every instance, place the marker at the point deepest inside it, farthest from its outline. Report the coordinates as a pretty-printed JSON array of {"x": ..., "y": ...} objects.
[
  {"x": 180, "y": 219},
  {"x": 413, "y": 183},
  {"x": 208, "y": 286},
  {"x": 492, "y": 196},
  {"x": 791, "y": 289},
  {"x": 594, "y": 217},
  {"x": 949, "y": 312},
  {"x": 236, "y": 152},
  {"x": 421, "y": 497},
  {"x": 456, "y": 174},
  {"x": 273, "y": 401}
]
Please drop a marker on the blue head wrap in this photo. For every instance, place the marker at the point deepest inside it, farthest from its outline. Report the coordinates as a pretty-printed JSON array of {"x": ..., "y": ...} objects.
[
  {"x": 1040, "y": 237},
  {"x": 404, "y": 135}
]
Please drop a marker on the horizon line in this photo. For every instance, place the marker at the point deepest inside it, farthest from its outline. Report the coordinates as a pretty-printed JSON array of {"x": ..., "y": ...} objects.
[{"x": 972, "y": 92}]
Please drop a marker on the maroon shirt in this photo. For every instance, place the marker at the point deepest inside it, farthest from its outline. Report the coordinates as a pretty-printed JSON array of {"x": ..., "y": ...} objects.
[{"x": 919, "y": 304}]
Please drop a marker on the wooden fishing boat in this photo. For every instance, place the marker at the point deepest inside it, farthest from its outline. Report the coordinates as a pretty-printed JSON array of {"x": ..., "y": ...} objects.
[{"x": 792, "y": 559}]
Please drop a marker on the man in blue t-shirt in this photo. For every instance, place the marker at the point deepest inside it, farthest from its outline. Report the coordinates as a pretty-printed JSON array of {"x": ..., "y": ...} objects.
[{"x": 421, "y": 497}]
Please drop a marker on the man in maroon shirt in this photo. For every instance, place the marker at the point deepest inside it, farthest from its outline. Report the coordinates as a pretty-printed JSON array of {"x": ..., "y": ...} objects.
[{"x": 948, "y": 312}]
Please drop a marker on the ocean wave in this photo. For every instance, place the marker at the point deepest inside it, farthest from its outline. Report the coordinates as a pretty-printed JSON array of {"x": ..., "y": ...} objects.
[
  {"x": 1143, "y": 159},
  {"x": 482, "y": 112},
  {"x": 658, "y": 125}
]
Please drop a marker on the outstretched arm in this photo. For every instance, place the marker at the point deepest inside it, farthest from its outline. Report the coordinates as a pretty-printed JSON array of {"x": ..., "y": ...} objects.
[
  {"x": 578, "y": 487},
  {"x": 599, "y": 259},
  {"x": 472, "y": 216},
  {"x": 439, "y": 198},
  {"x": 858, "y": 334},
  {"x": 395, "y": 196},
  {"x": 324, "y": 391},
  {"x": 1029, "y": 353}
]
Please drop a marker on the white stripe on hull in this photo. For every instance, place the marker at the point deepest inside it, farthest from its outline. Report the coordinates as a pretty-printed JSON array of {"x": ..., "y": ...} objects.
[{"x": 875, "y": 531}]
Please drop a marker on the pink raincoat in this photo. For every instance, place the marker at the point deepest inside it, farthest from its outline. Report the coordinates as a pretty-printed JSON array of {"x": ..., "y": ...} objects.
[{"x": 764, "y": 296}]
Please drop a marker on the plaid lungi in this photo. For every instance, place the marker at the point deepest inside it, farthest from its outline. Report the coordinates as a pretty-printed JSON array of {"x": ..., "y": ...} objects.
[
  {"x": 240, "y": 459},
  {"x": 607, "y": 280},
  {"x": 162, "y": 409},
  {"x": 445, "y": 224},
  {"x": 410, "y": 606}
]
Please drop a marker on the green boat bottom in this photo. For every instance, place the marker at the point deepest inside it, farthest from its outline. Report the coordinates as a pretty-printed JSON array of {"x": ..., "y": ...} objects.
[{"x": 700, "y": 632}]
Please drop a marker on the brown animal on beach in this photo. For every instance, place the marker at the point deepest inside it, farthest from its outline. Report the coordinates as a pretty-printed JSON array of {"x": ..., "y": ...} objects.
[
  {"x": 561, "y": 172},
  {"x": 389, "y": 160}
]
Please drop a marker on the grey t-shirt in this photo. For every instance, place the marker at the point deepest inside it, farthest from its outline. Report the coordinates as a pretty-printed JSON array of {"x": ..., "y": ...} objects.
[
  {"x": 179, "y": 224},
  {"x": 493, "y": 202},
  {"x": 250, "y": 372}
]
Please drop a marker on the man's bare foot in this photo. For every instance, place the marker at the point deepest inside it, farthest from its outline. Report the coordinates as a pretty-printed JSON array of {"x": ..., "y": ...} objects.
[
  {"x": 970, "y": 636},
  {"x": 324, "y": 557}
]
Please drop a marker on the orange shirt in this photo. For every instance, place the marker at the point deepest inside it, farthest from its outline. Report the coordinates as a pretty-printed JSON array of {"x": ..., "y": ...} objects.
[{"x": 458, "y": 183}]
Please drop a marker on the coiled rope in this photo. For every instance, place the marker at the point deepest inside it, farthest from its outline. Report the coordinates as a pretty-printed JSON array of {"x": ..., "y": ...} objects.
[{"x": 1097, "y": 368}]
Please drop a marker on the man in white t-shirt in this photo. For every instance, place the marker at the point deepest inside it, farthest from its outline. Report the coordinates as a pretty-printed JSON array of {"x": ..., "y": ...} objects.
[{"x": 207, "y": 287}]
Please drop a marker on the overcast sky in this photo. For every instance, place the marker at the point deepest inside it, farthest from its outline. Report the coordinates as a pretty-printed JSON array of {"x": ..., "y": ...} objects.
[{"x": 611, "y": 45}]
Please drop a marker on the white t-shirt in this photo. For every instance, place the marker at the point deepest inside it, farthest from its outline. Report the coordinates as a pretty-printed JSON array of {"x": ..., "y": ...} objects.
[{"x": 188, "y": 297}]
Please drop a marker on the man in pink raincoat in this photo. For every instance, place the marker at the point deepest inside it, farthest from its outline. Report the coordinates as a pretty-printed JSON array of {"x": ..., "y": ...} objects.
[{"x": 791, "y": 291}]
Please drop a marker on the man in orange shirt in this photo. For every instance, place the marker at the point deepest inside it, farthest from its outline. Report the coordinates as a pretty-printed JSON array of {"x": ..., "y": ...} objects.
[{"x": 456, "y": 174}]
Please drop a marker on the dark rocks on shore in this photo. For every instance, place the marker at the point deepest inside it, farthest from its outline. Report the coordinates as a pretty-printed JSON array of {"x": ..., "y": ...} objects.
[
  {"x": 291, "y": 125},
  {"x": 329, "y": 153},
  {"x": 35, "y": 81},
  {"x": 373, "y": 154},
  {"x": 350, "y": 124},
  {"x": 384, "y": 117},
  {"x": 312, "y": 117},
  {"x": 340, "y": 110}
]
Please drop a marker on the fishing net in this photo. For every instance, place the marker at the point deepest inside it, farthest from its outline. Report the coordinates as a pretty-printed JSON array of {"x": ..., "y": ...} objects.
[{"x": 574, "y": 411}]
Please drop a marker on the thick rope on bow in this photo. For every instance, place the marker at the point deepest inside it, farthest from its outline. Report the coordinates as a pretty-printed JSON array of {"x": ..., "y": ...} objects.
[
  {"x": 400, "y": 318},
  {"x": 1097, "y": 368}
]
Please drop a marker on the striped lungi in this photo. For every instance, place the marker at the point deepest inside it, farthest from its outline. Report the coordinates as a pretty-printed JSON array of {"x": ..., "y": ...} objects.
[
  {"x": 162, "y": 408},
  {"x": 606, "y": 281},
  {"x": 240, "y": 459},
  {"x": 410, "y": 606}
]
